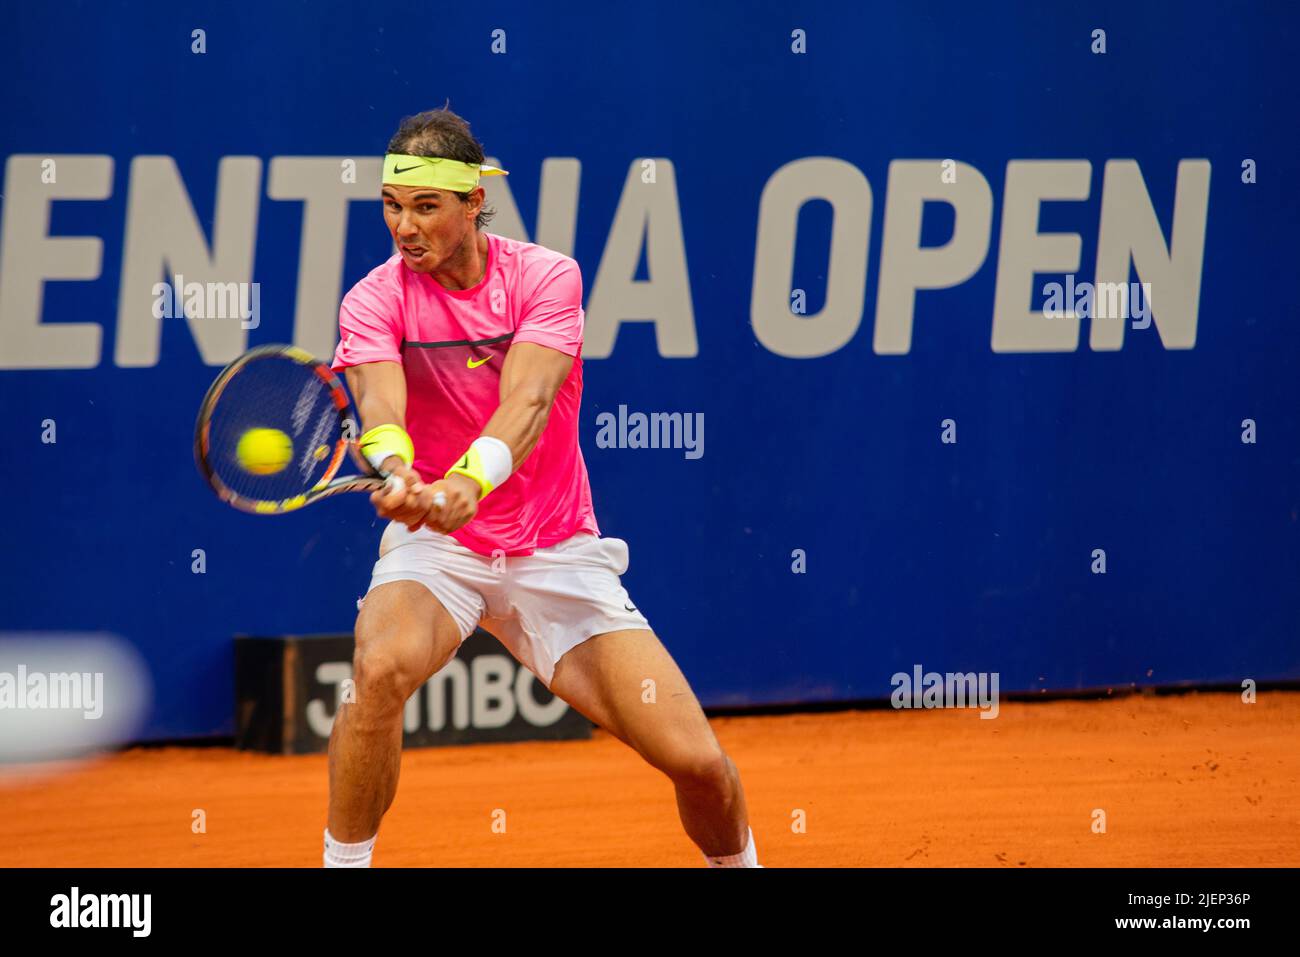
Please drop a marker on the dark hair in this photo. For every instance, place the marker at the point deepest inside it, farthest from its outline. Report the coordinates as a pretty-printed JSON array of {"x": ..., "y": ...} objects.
[{"x": 441, "y": 133}]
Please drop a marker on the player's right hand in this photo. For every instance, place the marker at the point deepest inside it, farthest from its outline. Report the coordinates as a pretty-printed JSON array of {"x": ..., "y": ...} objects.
[{"x": 407, "y": 505}]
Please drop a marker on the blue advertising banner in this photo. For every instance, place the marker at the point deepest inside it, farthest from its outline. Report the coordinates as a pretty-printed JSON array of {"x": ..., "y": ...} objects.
[{"x": 957, "y": 336}]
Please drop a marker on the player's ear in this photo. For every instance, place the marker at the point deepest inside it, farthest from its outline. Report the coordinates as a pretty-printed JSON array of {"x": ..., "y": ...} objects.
[{"x": 475, "y": 202}]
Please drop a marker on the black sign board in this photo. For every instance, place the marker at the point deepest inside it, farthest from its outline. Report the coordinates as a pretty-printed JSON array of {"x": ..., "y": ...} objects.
[{"x": 288, "y": 689}]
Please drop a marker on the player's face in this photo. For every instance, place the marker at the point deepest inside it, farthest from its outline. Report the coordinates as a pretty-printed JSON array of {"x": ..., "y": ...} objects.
[{"x": 428, "y": 225}]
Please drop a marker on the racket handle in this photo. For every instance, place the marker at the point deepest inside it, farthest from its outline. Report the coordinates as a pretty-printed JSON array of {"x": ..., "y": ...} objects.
[{"x": 395, "y": 484}]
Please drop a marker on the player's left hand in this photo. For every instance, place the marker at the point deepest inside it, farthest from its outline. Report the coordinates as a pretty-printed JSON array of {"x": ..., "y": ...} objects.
[{"x": 461, "y": 494}]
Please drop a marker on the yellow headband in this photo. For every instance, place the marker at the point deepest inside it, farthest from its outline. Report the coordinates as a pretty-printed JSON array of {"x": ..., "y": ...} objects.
[{"x": 435, "y": 171}]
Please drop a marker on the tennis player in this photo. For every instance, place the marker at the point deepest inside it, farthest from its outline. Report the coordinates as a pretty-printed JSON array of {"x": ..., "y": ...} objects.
[{"x": 463, "y": 352}]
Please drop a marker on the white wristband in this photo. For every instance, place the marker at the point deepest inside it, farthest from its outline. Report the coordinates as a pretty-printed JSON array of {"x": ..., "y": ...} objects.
[
  {"x": 378, "y": 458},
  {"x": 495, "y": 455}
]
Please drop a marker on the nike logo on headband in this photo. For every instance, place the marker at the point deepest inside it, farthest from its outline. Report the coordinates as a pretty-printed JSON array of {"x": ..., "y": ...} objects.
[{"x": 404, "y": 169}]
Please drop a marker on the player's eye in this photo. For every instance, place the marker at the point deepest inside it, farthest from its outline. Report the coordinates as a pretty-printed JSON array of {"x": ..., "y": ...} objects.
[{"x": 428, "y": 207}]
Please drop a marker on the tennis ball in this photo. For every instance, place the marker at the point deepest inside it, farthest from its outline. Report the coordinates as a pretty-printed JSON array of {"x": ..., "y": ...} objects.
[{"x": 264, "y": 451}]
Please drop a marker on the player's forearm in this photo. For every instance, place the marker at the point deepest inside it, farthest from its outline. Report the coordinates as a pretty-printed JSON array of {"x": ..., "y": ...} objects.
[
  {"x": 519, "y": 421},
  {"x": 380, "y": 391},
  {"x": 379, "y": 411},
  {"x": 530, "y": 379},
  {"x": 380, "y": 394}
]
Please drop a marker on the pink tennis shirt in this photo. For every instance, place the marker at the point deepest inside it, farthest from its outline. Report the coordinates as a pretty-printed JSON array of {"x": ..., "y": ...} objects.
[{"x": 451, "y": 344}]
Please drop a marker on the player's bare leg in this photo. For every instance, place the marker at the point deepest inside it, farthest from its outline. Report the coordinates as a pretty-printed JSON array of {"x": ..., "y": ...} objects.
[
  {"x": 603, "y": 679},
  {"x": 404, "y": 636}
]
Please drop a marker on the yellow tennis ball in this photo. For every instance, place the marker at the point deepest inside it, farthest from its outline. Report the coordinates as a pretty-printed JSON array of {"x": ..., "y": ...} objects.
[{"x": 264, "y": 451}]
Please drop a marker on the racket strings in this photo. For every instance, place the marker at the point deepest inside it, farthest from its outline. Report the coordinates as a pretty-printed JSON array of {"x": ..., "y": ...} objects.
[{"x": 274, "y": 392}]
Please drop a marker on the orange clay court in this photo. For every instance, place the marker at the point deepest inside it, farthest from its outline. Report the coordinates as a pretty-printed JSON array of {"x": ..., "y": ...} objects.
[{"x": 1187, "y": 780}]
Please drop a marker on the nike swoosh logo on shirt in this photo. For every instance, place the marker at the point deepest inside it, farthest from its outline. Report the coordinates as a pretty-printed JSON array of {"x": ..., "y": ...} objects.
[{"x": 474, "y": 365}]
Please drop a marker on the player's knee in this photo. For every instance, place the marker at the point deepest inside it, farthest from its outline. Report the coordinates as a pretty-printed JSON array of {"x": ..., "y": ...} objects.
[
  {"x": 383, "y": 681},
  {"x": 699, "y": 768}
]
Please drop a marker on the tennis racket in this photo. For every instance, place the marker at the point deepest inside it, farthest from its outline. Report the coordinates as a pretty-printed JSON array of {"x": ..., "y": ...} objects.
[{"x": 273, "y": 431}]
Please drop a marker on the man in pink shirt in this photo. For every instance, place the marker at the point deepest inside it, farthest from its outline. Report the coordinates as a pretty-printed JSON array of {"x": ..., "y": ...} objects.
[{"x": 463, "y": 352}]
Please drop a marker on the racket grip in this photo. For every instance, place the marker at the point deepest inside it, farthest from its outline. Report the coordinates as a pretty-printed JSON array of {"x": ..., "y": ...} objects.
[{"x": 395, "y": 484}]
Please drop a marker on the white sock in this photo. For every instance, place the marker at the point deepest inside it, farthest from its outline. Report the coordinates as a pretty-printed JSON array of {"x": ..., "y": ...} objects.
[
  {"x": 746, "y": 858},
  {"x": 338, "y": 854}
]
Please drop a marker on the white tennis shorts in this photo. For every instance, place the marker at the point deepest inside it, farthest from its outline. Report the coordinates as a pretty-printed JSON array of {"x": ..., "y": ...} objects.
[{"x": 538, "y": 606}]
